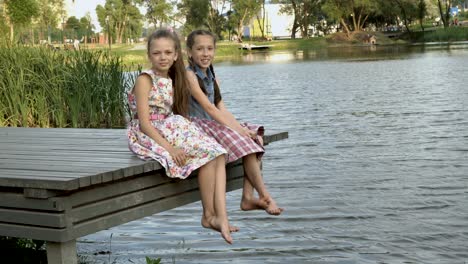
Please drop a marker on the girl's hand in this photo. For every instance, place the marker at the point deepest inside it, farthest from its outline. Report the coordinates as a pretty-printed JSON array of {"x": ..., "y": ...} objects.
[
  {"x": 250, "y": 133},
  {"x": 178, "y": 155}
]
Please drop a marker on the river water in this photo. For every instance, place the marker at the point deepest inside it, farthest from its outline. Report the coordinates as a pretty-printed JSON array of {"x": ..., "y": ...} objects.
[{"x": 375, "y": 169}]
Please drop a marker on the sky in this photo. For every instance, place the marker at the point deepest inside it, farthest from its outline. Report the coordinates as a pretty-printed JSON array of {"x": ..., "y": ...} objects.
[{"x": 81, "y": 7}]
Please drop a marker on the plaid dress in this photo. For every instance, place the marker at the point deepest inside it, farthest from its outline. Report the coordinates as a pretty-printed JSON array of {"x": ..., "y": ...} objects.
[{"x": 236, "y": 145}]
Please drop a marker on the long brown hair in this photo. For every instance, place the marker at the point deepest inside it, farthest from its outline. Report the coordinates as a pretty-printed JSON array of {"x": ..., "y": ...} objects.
[
  {"x": 176, "y": 72},
  {"x": 190, "y": 42}
]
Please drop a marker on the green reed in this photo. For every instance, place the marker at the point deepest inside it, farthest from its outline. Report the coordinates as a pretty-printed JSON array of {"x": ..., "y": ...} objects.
[
  {"x": 454, "y": 33},
  {"x": 45, "y": 88}
]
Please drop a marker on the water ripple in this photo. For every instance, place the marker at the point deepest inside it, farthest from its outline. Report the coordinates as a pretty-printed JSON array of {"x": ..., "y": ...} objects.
[{"x": 374, "y": 170}]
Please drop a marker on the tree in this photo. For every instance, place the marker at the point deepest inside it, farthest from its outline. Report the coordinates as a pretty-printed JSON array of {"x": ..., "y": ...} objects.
[
  {"x": 244, "y": 10},
  {"x": 196, "y": 12},
  {"x": 87, "y": 26},
  {"x": 444, "y": 10},
  {"x": 261, "y": 21},
  {"x": 115, "y": 16},
  {"x": 19, "y": 13},
  {"x": 207, "y": 14},
  {"x": 305, "y": 13},
  {"x": 158, "y": 11},
  {"x": 351, "y": 14},
  {"x": 215, "y": 22},
  {"x": 422, "y": 12},
  {"x": 51, "y": 13}
]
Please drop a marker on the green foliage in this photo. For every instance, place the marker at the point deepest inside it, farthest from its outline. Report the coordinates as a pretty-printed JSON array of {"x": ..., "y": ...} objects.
[
  {"x": 442, "y": 35},
  {"x": 158, "y": 11},
  {"x": 196, "y": 12},
  {"x": 21, "y": 12},
  {"x": 20, "y": 250},
  {"x": 120, "y": 18},
  {"x": 153, "y": 261},
  {"x": 244, "y": 10},
  {"x": 45, "y": 88}
]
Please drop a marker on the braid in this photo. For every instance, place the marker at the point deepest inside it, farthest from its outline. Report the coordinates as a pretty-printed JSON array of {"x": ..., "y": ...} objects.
[
  {"x": 217, "y": 92},
  {"x": 200, "y": 81}
]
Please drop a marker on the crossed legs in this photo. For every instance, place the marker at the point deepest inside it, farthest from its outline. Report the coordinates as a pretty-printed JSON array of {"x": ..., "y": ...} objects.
[{"x": 254, "y": 180}]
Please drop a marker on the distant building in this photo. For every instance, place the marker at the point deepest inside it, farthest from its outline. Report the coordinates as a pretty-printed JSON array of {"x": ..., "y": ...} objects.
[
  {"x": 277, "y": 25},
  {"x": 370, "y": 39}
]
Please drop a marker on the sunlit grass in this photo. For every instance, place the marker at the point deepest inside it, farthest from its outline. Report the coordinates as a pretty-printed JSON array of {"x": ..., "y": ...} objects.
[
  {"x": 444, "y": 34},
  {"x": 45, "y": 88}
]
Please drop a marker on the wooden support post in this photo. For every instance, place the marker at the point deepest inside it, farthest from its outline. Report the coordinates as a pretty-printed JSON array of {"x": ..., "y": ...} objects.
[{"x": 62, "y": 253}]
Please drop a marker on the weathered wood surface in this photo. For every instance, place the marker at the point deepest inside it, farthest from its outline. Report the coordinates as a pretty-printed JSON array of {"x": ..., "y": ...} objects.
[
  {"x": 60, "y": 184},
  {"x": 68, "y": 159}
]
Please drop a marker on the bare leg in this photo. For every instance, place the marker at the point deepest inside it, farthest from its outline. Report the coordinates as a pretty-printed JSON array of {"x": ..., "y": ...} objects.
[
  {"x": 212, "y": 201},
  {"x": 254, "y": 178},
  {"x": 220, "y": 191}
]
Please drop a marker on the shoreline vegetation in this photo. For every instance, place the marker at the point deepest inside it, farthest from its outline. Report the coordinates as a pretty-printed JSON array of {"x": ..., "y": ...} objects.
[
  {"x": 227, "y": 50},
  {"x": 44, "y": 87}
]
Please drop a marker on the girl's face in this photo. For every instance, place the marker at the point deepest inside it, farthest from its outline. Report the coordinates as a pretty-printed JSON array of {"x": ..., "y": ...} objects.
[
  {"x": 162, "y": 55},
  {"x": 202, "y": 51}
]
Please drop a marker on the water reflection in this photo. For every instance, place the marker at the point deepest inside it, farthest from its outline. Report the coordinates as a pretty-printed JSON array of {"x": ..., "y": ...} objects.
[{"x": 358, "y": 53}]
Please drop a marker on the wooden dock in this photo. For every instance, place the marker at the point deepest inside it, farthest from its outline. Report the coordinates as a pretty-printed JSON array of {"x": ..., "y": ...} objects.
[
  {"x": 59, "y": 184},
  {"x": 254, "y": 47}
]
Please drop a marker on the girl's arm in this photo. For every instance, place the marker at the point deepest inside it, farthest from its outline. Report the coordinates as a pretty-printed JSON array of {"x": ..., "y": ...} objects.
[
  {"x": 220, "y": 116},
  {"x": 141, "y": 91},
  {"x": 233, "y": 119}
]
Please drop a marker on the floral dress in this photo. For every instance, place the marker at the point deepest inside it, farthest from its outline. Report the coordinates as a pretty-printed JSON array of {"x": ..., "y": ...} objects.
[{"x": 178, "y": 131}]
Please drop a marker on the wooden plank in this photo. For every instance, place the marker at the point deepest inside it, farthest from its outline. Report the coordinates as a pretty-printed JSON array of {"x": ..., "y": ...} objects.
[
  {"x": 39, "y": 193},
  {"x": 108, "y": 221},
  {"x": 15, "y": 175},
  {"x": 117, "y": 188},
  {"x": 33, "y": 218},
  {"x": 68, "y": 164},
  {"x": 59, "y": 184},
  {"x": 35, "y": 232},
  {"x": 275, "y": 137},
  {"x": 17, "y": 200},
  {"x": 130, "y": 199}
]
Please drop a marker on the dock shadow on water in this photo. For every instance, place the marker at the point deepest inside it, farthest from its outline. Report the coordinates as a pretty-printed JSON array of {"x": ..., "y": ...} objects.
[{"x": 374, "y": 170}]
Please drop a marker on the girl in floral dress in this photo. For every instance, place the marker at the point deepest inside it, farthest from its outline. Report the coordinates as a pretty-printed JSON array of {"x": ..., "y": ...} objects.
[
  {"x": 158, "y": 129},
  {"x": 207, "y": 110}
]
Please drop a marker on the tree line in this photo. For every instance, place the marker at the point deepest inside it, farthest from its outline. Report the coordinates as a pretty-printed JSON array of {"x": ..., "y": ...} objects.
[{"x": 32, "y": 20}]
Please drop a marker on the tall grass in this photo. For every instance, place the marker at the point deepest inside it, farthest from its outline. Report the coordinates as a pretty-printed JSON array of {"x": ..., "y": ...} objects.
[
  {"x": 442, "y": 35},
  {"x": 45, "y": 88}
]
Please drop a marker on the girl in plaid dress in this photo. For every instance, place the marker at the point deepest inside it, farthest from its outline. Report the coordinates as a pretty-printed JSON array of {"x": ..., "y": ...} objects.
[
  {"x": 159, "y": 131},
  {"x": 207, "y": 109}
]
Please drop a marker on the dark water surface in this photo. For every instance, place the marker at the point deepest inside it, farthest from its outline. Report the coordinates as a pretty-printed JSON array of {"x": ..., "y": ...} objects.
[{"x": 375, "y": 169}]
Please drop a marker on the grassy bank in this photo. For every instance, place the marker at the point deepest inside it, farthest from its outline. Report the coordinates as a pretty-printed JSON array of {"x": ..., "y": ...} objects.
[
  {"x": 133, "y": 55},
  {"x": 44, "y": 88},
  {"x": 441, "y": 35}
]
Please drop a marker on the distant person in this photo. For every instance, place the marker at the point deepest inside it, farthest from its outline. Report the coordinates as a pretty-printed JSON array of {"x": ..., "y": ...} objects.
[
  {"x": 207, "y": 109},
  {"x": 76, "y": 44},
  {"x": 159, "y": 131}
]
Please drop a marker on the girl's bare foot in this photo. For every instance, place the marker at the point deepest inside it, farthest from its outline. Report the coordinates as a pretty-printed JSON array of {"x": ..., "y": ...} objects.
[
  {"x": 253, "y": 204},
  {"x": 272, "y": 208},
  {"x": 206, "y": 224},
  {"x": 265, "y": 203},
  {"x": 221, "y": 226}
]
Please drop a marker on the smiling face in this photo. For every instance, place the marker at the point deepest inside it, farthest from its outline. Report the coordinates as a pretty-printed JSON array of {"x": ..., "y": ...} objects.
[
  {"x": 202, "y": 51},
  {"x": 162, "y": 54}
]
